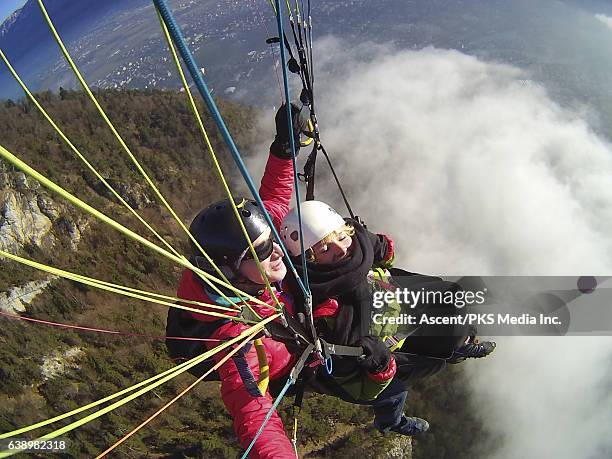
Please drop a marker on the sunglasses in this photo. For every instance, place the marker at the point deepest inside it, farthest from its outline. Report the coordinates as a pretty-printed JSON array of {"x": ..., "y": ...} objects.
[{"x": 263, "y": 250}]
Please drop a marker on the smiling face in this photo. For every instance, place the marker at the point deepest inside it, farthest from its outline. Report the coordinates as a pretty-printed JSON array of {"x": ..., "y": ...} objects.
[
  {"x": 273, "y": 265},
  {"x": 334, "y": 248}
]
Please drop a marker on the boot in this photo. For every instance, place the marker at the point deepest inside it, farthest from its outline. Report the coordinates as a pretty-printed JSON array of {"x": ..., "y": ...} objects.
[
  {"x": 408, "y": 426},
  {"x": 472, "y": 350}
]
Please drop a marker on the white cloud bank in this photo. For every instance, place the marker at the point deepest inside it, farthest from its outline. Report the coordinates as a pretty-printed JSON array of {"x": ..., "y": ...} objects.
[
  {"x": 467, "y": 164},
  {"x": 474, "y": 170}
]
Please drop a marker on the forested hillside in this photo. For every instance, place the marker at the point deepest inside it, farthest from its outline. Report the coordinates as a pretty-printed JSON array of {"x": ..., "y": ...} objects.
[{"x": 46, "y": 370}]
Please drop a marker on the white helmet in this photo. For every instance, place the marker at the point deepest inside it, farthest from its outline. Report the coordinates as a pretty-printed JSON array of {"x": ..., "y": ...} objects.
[{"x": 318, "y": 220}]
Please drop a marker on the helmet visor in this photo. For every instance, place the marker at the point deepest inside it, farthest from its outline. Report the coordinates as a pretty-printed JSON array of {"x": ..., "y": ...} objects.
[{"x": 263, "y": 250}]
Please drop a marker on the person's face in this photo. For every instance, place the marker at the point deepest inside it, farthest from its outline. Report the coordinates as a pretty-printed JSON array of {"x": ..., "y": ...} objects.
[
  {"x": 337, "y": 249},
  {"x": 273, "y": 265}
]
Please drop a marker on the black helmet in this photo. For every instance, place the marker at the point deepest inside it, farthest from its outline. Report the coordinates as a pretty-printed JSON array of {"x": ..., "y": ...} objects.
[{"x": 220, "y": 235}]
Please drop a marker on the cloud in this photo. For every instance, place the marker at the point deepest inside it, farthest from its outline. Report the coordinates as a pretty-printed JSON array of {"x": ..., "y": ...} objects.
[
  {"x": 607, "y": 20},
  {"x": 468, "y": 164},
  {"x": 474, "y": 170},
  {"x": 546, "y": 397}
]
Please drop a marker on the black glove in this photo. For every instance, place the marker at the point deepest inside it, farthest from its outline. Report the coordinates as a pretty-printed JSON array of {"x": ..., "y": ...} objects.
[
  {"x": 281, "y": 147},
  {"x": 377, "y": 356}
]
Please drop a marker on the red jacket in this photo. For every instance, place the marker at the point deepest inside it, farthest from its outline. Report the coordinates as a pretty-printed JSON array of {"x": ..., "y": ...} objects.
[{"x": 239, "y": 374}]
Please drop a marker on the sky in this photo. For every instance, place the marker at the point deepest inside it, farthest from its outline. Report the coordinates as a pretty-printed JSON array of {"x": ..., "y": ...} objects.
[{"x": 8, "y": 6}]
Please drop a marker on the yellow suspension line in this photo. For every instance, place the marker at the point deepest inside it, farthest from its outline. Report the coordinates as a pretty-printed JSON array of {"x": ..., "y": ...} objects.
[
  {"x": 81, "y": 156},
  {"x": 183, "y": 392},
  {"x": 289, "y": 11},
  {"x": 213, "y": 156},
  {"x": 244, "y": 336},
  {"x": 121, "y": 290},
  {"x": 123, "y": 144},
  {"x": 297, "y": 10},
  {"x": 273, "y": 6},
  {"x": 18, "y": 163},
  {"x": 91, "y": 405},
  {"x": 154, "y": 295}
]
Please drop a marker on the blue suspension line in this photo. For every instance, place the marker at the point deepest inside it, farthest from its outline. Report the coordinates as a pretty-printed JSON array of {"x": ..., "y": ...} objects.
[
  {"x": 293, "y": 377},
  {"x": 288, "y": 384},
  {"x": 281, "y": 33},
  {"x": 195, "y": 73}
]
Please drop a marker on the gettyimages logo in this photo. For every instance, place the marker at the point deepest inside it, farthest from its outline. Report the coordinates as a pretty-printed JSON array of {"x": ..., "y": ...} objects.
[{"x": 411, "y": 298}]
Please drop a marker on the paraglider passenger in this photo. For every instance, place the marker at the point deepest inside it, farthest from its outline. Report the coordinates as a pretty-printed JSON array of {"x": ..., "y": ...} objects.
[{"x": 340, "y": 256}]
